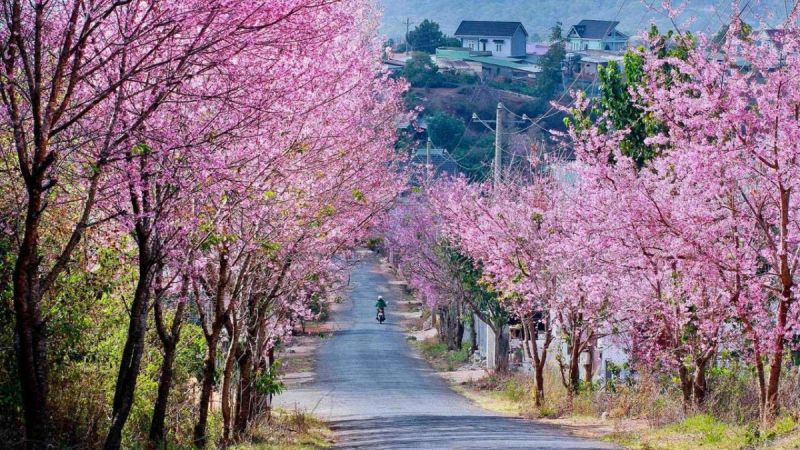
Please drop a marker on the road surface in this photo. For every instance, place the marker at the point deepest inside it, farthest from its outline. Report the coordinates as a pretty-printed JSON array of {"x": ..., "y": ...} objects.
[{"x": 375, "y": 393}]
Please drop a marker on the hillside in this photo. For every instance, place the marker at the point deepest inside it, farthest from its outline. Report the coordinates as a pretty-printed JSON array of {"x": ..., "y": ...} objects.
[{"x": 539, "y": 15}]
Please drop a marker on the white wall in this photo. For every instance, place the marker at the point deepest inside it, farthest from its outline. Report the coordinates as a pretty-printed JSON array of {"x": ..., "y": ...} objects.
[{"x": 491, "y": 45}]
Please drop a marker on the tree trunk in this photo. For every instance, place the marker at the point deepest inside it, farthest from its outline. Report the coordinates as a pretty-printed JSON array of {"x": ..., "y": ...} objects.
[
  {"x": 538, "y": 358},
  {"x": 771, "y": 404},
  {"x": 473, "y": 336},
  {"x": 244, "y": 405},
  {"x": 574, "y": 369},
  {"x": 501, "y": 347},
  {"x": 687, "y": 387},
  {"x": 157, "y": 433},
  {"x": 270, "y": 361},
  {"x": 31, "y": 335},
  {"x": 588, "y": 368},
  {"x": 699, "y": 385},
  {"x": 786, "y": 278},
  {"x": 227, "y": 381},
  {"x": 132, "y": 353},
  {"x": 451, "y": 329},
  {"x": 170, "y": 343},
  {"x": 209, "y": 370}
]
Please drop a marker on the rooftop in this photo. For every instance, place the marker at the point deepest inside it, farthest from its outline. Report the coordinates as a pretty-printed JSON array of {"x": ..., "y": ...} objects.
[
  {"x": 594, "y": 29},
  {"x": 511, "y": 63},
  {"x": 488, "y": 28},
  {"x": 441, "y": 161},
  {"x": 595, "y": 56}
]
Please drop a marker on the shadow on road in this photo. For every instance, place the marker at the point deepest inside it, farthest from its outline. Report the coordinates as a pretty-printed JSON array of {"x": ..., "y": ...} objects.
[{"x": 431, "y": 431}]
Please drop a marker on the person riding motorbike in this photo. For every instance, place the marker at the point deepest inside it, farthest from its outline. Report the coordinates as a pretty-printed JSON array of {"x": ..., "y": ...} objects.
[{"x": 381, "y": 306}]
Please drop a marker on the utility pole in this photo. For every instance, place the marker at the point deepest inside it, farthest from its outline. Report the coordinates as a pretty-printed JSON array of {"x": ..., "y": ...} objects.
[
  {"x": 428, "y": 159},
  {"x": 498, "y": 144},
  {"x": 498, "y": 136},
  {"x": 408, "y": 23}
]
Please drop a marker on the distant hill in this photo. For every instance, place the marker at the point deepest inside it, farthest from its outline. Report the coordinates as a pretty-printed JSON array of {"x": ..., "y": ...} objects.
[{"x": 539, "y": 16}]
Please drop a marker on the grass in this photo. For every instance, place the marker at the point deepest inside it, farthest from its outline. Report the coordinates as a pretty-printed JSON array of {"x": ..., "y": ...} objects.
[
  {"x": 514, "y": 395},
  {"x": 703, "y": 431},
  {"x": 290, "y": 430},
  {"x": 440, "y": 358}
]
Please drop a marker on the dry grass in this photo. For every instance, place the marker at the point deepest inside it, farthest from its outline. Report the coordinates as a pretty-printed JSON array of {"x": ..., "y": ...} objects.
[
  {"x": 648, "y": 415},
  {"x": 289, "y": 430}
]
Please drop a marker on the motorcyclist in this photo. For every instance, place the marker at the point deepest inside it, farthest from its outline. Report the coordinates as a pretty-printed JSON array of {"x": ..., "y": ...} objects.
[{"x": 380, "y": 305}]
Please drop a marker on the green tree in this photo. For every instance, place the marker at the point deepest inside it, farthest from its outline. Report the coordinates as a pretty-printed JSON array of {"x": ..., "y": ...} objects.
[
  {"x": 421, "y": 71},
  {"x": 549, "y": 81},
  {"x": 482, "y": 299},
  {"x": 426, "y": 37},
  {"x": 475, "y": 156},
  {"x": 445, "y": 130},
  {"x": 622, "y": 110}
]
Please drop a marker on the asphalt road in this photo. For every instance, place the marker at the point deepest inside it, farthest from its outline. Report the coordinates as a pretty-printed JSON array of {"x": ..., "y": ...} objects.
[{"x": 375, "y": 393}]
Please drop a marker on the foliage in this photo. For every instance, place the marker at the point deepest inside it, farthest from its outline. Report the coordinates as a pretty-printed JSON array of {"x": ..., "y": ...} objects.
[
  {"x": 445, "y": 130},
  {"x": 148, "y": 251},
  {"x": 550, "y": 80},
  {"x": 268, "y": 382},
  {"x": 427, "y": 37},
  {"x": 422, "y": 72}
]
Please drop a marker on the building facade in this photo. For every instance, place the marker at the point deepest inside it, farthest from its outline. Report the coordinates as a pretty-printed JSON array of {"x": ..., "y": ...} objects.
[
  {"x": 504, "y": 39},
  {"x": 596, "y": 35}
]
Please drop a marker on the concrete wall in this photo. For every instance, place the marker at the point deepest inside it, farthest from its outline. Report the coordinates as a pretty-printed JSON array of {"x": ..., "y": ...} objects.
[
  {"x": 515, "y": 46},
  {"x": 519, "y": 43}
]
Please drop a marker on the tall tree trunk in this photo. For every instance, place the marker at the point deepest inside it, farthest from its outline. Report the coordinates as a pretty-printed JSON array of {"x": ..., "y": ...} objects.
[
  {"x": 31, "y": 332},
  {"x": 771, "y": 403},
  {"x": 170, "y": 343},
  {"x": 244, "y": 404},
  {"x": 133, "y": 351},
  {"x": 699, "y": 384},
  {"x": 785, "y": 269},
  {"x": 227, "y": 381},
  {"x": 537, "y": 357},
  {"x": 207, "y": 388},
  {"x": 157, "y": 434},
  {"x": 212, "y": 332}
]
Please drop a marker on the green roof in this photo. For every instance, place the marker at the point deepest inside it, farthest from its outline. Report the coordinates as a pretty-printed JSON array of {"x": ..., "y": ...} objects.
[{"x": 503, "y": 62}]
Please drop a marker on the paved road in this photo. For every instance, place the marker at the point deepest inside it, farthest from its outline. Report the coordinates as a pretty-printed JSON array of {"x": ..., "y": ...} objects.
[{"x": 376, "y": 394}]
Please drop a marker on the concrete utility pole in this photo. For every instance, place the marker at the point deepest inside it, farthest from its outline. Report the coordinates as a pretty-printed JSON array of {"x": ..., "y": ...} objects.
[
  {"x": 428, "y": 158},
  {"x": 498, "y": 144},
  {"x": 498, "y": 136},
  {"x": 408, "y": 23}
]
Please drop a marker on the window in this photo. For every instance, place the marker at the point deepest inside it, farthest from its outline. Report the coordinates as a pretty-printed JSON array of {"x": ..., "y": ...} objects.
[
  {"x": 471, "y": 45},
  {"x": 498, "y": 44}
]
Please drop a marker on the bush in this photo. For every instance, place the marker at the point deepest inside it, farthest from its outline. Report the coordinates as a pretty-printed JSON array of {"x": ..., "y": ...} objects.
[{"x": 445, "y": 130}]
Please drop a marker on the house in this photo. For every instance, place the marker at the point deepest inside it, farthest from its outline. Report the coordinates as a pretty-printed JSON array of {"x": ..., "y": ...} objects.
[
  {"x": 437, "y": 160},
  {"x": 596, "y": 35},
  {"x": 507, "y": 70},
  {"x": 505, "y": 39},
  {"x": 486, "y": 65},
  {"x": 581, "y": 69},
  {"x": 536, "y": 50},
  {"x": 585, "y": 65}
]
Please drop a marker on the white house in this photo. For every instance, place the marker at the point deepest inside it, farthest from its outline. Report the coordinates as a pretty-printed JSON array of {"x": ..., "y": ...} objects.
[
  {"x": 508, "y": 39},
  {"x": 596, "y": 35}
]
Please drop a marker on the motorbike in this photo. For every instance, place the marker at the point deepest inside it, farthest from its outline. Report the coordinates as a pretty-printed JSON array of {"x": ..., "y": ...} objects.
[{"x": 381, "y": 317}]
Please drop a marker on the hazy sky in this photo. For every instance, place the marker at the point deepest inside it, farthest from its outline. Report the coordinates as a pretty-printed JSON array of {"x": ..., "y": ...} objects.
[{"x": 539, "y": 16}]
